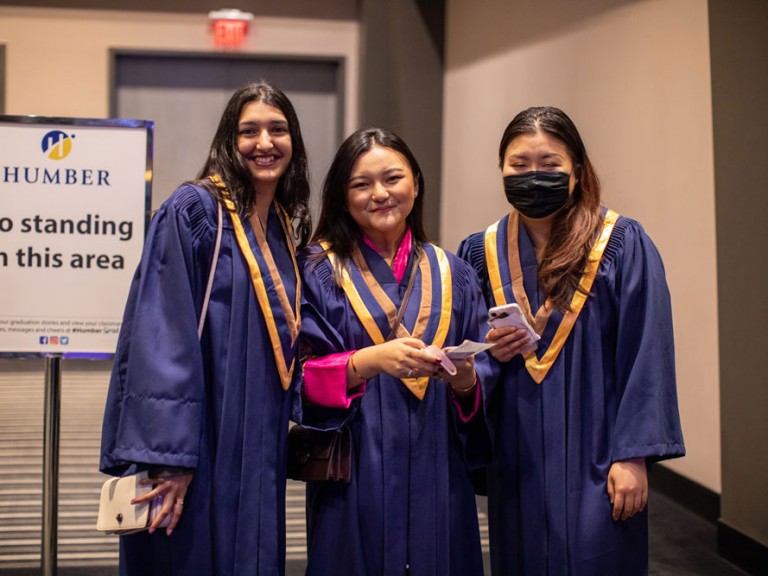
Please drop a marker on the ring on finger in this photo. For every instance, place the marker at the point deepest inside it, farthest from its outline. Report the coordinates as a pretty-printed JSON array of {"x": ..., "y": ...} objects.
[{"x": 410, "y": 373}]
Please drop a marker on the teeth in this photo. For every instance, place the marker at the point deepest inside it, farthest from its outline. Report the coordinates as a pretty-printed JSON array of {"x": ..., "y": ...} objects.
[{"x": 265, "y": 159}]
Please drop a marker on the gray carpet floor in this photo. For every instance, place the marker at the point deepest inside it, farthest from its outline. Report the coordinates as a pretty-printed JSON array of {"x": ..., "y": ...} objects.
[{"x": 681, "y": 544}]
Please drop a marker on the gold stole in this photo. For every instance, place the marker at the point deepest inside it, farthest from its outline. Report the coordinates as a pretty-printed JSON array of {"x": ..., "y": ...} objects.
[
  {"x": 418, "y": 386},
  {"x": 292, "y": 319},
  {"x": 538, "y": 368}
]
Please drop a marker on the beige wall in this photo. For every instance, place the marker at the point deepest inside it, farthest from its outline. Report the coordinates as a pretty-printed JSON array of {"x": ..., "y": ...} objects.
[
  {"x": 635, "y": 78},
  {"x": 57, "y": 60},
  {"x": 634, "y": 75}
]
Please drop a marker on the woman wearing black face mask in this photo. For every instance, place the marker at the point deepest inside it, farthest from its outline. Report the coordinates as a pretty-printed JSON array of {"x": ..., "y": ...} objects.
[{"x": 578, "y": 415}]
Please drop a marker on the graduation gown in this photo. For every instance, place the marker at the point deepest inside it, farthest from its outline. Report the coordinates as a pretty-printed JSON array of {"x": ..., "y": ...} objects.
[
  {"x": 215, "y": 405},
  {"x": 609, "y": 395},
  {"x": 410, "y": 506}
]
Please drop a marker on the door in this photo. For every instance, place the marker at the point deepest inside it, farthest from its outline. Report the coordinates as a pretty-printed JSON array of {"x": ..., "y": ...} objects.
[{"x": 185, "y": 94}]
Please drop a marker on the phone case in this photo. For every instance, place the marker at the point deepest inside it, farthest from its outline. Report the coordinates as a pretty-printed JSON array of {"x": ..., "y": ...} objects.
[
  {"x": 510, "y": 315},
  {"x": 445, "y": 362}
]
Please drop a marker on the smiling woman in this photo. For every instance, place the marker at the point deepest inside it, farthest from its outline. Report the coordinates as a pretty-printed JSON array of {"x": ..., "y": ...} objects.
[
  {"x": 380, "y": 304},
  {"x": 264, "y": 141},
  {"x": 203, "y": 403},
  {"x": 381, "y": 194}
]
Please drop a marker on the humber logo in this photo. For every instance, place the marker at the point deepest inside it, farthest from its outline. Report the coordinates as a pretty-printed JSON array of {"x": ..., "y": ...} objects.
[{"x": 57, "y": 144}]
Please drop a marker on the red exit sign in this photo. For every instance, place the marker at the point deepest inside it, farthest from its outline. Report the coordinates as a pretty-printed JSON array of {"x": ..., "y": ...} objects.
[{"x": 229, "y": 27}]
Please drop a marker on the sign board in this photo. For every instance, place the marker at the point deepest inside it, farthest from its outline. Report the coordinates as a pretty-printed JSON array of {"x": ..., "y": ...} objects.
[{"x": 74, "y": 204}]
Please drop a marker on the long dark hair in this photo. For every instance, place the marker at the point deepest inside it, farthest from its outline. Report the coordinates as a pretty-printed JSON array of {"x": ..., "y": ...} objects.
[
  {"x": 576, "y": 225},
  {"x": 225, "y": 159},
  {"x": 336, "y": 226}
]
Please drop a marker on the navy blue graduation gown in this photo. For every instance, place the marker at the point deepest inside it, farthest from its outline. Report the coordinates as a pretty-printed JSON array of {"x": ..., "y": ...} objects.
[
  {"x": 216, "y": 406},
  {"x": 410, "y": 501},
  {"x": 609, "y": 396}
]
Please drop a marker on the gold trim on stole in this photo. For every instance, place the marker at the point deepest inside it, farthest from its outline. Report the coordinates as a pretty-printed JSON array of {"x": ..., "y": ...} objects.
[
  {"x": 538, "y": 369},
  {"x": 292, "y": 319},
  {"x": 417, "y": 386}
]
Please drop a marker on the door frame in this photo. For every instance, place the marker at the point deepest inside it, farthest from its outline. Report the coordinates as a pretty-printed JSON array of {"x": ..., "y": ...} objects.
[
  {"x": 2, "y": 79},
  {"x": 116, "y": 53}
]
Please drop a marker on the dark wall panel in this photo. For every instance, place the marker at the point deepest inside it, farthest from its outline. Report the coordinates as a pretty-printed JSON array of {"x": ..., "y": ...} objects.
[
  {"x": 402, "y": 83},
  {"x": 739, "y": 44}
]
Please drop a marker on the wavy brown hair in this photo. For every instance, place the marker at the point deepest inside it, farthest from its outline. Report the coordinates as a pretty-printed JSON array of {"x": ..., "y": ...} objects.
[
  {"x": 225, "y": 159},
  {"x": 575, "y": 227}
]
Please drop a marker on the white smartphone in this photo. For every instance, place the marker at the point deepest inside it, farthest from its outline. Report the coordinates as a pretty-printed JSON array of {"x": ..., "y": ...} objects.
[{"x": 510, "y": 315}]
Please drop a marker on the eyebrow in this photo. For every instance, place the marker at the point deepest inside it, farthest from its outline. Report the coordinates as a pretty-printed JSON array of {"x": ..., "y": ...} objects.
[
  {"x": 272, "y": 122},
  {"x": 385, "y": 172},
  {"x": 359, "y": 176},
  {"x": 548, "y": 155}
]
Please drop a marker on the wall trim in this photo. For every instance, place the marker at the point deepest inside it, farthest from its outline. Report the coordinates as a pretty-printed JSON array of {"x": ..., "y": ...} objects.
[
  {"x": 690, "y": 494},
  {"x": 326, "y": 10},
  {"x": 741, "y": 550},
  {"x": 734, "y": 546}
]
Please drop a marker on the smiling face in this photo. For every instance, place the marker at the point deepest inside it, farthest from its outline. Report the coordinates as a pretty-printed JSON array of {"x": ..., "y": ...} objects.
[
  {"x": 540, "y": 152},
  {"x": 380, "y": 193},
  {"x": 264, "y": 141}
]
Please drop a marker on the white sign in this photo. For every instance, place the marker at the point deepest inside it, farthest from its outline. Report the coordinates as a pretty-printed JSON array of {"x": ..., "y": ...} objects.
[{"x": 74, "y": 200}]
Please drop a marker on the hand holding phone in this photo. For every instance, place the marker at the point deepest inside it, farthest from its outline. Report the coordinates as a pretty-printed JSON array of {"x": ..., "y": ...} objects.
[{"x": 510, "y": 315}]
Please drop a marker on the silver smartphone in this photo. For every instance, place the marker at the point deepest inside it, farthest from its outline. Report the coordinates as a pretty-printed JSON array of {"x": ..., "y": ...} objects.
[{"x": 510, "y": 315}]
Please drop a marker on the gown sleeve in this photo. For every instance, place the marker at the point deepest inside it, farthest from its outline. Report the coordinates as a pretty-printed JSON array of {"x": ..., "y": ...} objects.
[
  {"x": 155, "y": 399},
  {"x": 468, "y": 411},
  {"x": 647, "y": 420},
  {"x": 326, "y": 402},
  {"x": 473, "y": 428},
  {"x": 325, "y": 381},
  {"x": 472, "y": 250}
]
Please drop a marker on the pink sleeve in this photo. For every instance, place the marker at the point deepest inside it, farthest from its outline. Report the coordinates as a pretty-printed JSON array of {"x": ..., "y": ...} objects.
[
  {"x": 325, "y": 381},
  {"x": 475, "y": 404}
]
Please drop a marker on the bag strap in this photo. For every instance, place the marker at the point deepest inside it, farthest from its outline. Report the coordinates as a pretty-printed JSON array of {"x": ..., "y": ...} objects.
[
  {"x": 211, "y": 274},
  {"x": 407, "y": 295}
]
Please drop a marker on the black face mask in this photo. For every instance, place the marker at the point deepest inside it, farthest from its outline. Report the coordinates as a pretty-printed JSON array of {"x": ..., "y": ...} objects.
[{"x": 537, "y": 194}]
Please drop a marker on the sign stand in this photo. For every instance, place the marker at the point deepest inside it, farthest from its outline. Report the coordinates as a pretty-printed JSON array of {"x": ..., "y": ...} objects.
[
  {"x": 51, "y": 441},
  {"x": 75, "y": 194}
]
